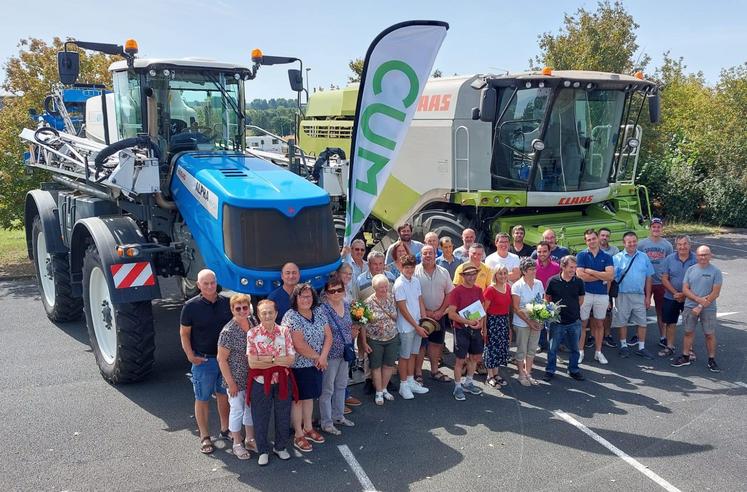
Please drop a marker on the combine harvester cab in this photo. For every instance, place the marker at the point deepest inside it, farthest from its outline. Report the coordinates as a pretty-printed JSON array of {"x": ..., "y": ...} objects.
[
  {"x": 549, "y": 149},
  {"x": 157, "y": 184}
]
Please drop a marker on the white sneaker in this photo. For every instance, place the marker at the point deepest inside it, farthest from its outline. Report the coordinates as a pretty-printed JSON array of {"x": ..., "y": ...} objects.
[
  {"x": 580, "y": 357},
  {"x": 418, "y": 388},
  {"x": 599, "y": 357},
  {"x": 263, "y": 459},
  {"x": 388, "y": 396},
  {"x": 282, "y": 454},
  {"x": 405, "y": 391},
  {"x": 346, "y": 422}
]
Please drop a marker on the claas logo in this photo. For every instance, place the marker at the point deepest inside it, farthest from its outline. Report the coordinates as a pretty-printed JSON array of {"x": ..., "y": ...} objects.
[
  {"x": 436, "y": 102},
  {"x": 575, "y": 200}
]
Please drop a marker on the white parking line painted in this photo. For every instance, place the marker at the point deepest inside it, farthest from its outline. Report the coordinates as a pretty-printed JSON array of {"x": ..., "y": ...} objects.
[
  {"x": 740, "y": 383},
  {"x": 357, "y": 468},
  {"x": 729, "y": 313},
  {"x": 625, "y": 457}
]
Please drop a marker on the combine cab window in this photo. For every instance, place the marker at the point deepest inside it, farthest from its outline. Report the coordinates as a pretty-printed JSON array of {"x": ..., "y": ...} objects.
[
  {"x": 127, "y": 104},
  {"x": 521, "y": 123},
  {"x": 580, "y": 140}
]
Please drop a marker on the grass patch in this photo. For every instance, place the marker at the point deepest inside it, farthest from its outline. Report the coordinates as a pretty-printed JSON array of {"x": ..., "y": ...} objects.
[
  {"x": 680, "y": 228},
  {"x": 14, "y": 259}
]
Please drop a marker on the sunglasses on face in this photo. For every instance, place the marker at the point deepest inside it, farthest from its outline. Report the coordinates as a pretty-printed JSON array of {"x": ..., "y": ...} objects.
[
  {"x": 241, "y": 308},
  {"x": 338, "y": 290}
]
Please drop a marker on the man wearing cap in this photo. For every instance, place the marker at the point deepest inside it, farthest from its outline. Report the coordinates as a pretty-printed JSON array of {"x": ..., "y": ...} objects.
[
  {"x": 476, "y": 253},
  {"x": 435, "y": 285},
  {"x": 503, "y": 257},
  {"x": 657, "y": 249},
  {"x": 353, "y": 255},
  {"x": 468, "y": 341}
]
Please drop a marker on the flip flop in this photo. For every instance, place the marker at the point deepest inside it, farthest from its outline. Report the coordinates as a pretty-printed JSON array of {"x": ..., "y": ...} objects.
[
  {"x": 441, "y": 377},
  {"x": 206, "y": 445}
]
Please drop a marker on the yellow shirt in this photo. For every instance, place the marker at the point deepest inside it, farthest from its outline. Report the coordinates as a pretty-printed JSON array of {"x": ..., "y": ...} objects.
[{"x": 483, "y": 276}]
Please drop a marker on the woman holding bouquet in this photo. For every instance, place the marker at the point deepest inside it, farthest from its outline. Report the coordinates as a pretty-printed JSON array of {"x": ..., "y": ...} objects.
[
  {"x": 381, "y": 336},
  {"x": 526, "y": 290},
  {"x": 497, "y": 305}
]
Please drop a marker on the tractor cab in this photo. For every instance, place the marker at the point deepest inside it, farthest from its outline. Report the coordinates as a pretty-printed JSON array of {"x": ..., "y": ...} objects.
[
  {"x": 183, "y": 105},
  {"x": 562, "y": 132}
]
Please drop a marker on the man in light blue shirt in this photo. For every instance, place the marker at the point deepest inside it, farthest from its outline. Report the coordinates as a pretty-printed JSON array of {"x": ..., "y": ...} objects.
[{"x": 634, "y": 296}]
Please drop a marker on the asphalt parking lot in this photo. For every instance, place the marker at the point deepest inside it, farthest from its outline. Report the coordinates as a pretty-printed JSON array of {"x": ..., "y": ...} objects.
[{"x": 632, "y": 425}]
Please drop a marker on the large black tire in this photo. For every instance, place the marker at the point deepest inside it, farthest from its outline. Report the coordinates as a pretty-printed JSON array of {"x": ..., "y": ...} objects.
[
  {"x": 125, "y": 348},
  {"x": 443, "y": 223},
  {"x": 53, "y": 279}
]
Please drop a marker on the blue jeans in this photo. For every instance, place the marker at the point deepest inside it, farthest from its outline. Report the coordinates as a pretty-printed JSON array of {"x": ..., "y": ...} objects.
[{"x": 571, "y": 333}]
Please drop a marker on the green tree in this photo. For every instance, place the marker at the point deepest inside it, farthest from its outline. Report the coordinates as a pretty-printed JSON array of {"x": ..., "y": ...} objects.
[
  {"x": 29, "y": 76},
  {"x": 356, "y": 66},
  {"x": 437, "y": 74},
  {"x": 602, "y": 40}
]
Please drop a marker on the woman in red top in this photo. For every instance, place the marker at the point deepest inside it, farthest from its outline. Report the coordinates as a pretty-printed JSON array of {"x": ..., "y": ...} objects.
[{"x": 497, "y": 305}]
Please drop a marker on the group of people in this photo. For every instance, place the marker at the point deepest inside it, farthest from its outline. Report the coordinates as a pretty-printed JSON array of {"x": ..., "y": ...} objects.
[{"x": 299, "y": 344}]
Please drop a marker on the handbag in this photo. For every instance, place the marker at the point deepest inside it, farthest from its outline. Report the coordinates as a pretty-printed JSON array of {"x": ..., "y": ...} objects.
[
  {"x": 348, "y": 353},
  {"x": 615, "y": 285},
  {"x": 348, "y": 350}
]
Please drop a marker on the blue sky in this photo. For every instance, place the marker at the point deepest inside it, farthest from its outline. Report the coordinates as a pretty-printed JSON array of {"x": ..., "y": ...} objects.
[{"x": 484, "y": 36}]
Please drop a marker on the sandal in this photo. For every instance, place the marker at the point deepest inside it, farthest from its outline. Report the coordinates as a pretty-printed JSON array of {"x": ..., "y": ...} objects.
[
  {"x": 502, "y": 382},
  {"x": 206, "y": 445},
  {"x": 251, "y": 445},
  {"x": 493, "y": 382},
  {"x": 313, "y": 436},
  {"x": 441, "y": 377},
  {"x": 241, "y": 452},
  {"x": 301, "y": 444},
  {"x": 666, "y": 352}
]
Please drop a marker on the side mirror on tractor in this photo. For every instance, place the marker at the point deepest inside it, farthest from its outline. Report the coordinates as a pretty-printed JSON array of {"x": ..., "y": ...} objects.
[
  {"x": 654, "y": 107},
  {"x": 68, "y": 66},
  {"x": 488, "y": 101},
  {"x": 296, "y": 80}
]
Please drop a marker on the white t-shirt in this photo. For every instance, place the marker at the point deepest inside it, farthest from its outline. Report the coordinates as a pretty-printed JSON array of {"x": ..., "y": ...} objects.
[
  {"x": 511, "y": 261},
  {"x": 526, "y": 295},
  {"x": 409, "y": 291}
]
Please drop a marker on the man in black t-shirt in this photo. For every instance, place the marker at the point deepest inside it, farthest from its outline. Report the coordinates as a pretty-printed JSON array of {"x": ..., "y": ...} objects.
[
  {"x": 518, "y": 247},
  {"x": 203, "y": 317},
  {"x": 568, "y": 290}
]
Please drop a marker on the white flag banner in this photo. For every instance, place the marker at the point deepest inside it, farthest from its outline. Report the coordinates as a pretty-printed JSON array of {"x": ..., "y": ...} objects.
[{"x": 397, "y": 66}]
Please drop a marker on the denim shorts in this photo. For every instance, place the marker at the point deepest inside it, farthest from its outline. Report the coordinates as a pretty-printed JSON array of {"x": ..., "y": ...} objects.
[{"x": 207, "y": 379}]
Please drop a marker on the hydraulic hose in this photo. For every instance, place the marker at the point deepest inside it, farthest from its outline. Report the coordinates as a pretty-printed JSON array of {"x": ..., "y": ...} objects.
[{"x": 139, "y": 141}]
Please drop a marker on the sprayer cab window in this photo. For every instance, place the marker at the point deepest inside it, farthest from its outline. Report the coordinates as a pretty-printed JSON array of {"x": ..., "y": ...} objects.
[
  {"x": 127, "y": 104},
  {"x": 193, "y": 113}
]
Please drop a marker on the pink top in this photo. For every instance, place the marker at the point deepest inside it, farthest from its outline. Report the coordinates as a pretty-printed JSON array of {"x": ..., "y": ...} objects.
[
  {"x": 261, "y": 342},
  {"x": 545, "y": 272}
]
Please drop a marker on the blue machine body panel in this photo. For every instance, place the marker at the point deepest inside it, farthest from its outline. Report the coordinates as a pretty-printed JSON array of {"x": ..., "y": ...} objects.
[{"x": 204, "y": 183}]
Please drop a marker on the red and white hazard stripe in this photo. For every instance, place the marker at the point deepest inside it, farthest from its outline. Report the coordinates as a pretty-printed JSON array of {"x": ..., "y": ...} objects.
[{"x": 133, "y": 275}]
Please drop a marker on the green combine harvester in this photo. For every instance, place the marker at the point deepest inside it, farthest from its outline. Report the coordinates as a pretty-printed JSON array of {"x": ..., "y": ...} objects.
[{"x": 547, "y": 149}]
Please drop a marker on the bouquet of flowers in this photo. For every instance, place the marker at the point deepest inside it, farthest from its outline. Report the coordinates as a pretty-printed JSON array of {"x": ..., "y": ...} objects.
[
  {"x": 360, "y": 313},
  {"x": 543, "y": 311}
]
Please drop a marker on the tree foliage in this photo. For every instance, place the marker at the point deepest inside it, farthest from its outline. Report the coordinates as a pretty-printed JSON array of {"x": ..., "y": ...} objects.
[
  {"x": 602, "y": 40},
  {"x": 356, "y": 66},
  {"x": 29, "y": 77}
]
